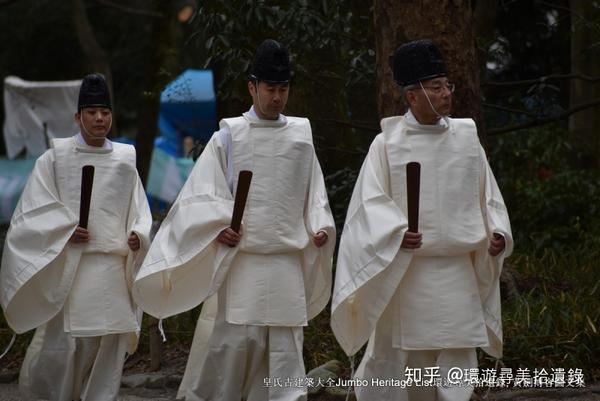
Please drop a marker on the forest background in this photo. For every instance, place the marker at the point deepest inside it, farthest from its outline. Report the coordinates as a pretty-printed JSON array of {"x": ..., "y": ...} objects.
[{"x": 527, "y": 71}]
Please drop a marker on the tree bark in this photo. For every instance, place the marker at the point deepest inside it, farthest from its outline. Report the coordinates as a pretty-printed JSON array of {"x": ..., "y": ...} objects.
[
  {"x": 449, "y": 23},
  {"x": 160, "y": 69},
  {"x": 584, "y": 127}
]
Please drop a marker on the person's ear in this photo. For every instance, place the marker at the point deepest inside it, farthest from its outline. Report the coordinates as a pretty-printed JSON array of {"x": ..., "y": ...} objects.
[
  {"x": 410, "y": 97},
  {"x": 252, "y": 87}
]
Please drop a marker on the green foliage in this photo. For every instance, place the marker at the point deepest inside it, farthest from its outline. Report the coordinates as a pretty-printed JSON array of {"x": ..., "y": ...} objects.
[
  {"x": 555, "y": 321},
  {"x": 331, "y": 43},
  {"x": 313, "y": 31},
  {"x": 339, "y": 190},
  {"x": 551, "y": 204},
  {"x": 560, "y": 211}
]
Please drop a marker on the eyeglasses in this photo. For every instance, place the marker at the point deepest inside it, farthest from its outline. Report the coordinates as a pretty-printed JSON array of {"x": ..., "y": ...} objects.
[{"x": 438, "y": 88}]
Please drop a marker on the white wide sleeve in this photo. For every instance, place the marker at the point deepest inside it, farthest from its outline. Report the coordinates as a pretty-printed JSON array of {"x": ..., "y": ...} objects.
[
  {"x": 370, "y": 263},
  {"x": 37, "y": 265},
  {"x": 185, "y": 264},
  {"x": 488, "y": 268},
  {"x": 317, "y": 261}
]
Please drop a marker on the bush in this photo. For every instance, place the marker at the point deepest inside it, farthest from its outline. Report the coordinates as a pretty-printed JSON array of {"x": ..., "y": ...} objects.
[{"x": 551, "y": 204}]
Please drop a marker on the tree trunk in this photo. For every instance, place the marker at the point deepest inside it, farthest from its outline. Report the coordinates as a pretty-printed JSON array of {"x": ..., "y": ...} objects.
[
  {"x": 584, "y": 127},
  {"x": 449, "y": 23},
  {"x": 160, "y": 69},
  {"x": 92, "y": 49}
]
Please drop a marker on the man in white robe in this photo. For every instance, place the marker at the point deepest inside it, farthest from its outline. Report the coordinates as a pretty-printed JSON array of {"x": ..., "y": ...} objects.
[
  {"x": 72, "y": 283},
  {"x": 424, "y": 300},
  {"x": 269, "y": 279}
]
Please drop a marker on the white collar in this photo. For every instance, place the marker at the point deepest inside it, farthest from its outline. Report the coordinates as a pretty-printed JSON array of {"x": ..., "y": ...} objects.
[
  {"x": 80, "y": 141},
  {"x": 253, "y": 119},
  {"x": 412, "y": 120}
]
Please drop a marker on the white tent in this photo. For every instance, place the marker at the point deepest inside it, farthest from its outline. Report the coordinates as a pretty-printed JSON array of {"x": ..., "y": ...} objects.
[{"x": 36, "y": 112}]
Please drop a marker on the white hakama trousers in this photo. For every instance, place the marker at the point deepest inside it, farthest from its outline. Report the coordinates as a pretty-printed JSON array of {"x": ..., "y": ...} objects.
[
  {"x": 254, "y": 363},
  {"x": 379, "y": 365},
  {"x": 382, "y": 361},
  {"x": 60, "y": 367},
  {"x": 79, "y": 354},
  {"x": 434, "y": 319}
]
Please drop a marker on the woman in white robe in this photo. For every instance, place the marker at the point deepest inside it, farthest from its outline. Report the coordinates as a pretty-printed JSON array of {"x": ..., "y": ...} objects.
[{"x": 73, "y": 284}]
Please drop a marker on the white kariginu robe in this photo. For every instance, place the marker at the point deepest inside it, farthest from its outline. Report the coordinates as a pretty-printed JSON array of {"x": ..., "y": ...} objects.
[
  {"x": 275, "y": 276},
  {"x": 446, "y": 294},
  {"x": 68, "y": 290}
]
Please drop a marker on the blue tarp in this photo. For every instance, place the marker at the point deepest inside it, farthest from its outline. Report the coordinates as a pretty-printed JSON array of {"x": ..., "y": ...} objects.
[
  {"x": 13, "y": 177},
  {"x": 167, "y": 175},
  {"x": 187, "y": 108}
]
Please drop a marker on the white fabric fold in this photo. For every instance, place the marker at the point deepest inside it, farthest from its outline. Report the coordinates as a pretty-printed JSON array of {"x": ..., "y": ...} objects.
[{"x": 185, "y": 264}]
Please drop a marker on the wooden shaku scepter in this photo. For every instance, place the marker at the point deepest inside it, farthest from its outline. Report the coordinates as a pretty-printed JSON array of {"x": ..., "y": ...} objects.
[
  {"x": 87, "y": 181},
  {"x": 241, "y": 194},
  {"x": 413, "y": 184}
]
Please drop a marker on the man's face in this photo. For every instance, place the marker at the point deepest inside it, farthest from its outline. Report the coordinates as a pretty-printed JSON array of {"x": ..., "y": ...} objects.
[
  {"x": 440, "y": 94},
  {"x": 96, "y": 122},
  {"x": 268, "y": 99}
]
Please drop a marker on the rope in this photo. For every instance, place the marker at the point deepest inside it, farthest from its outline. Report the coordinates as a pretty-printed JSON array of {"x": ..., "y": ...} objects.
[
  {"x": 12, "y": 342},
  {"x": 162, "y": 331}
]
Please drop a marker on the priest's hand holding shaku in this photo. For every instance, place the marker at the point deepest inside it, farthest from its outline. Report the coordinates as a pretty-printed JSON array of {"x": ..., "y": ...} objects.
[
  {"x": 229, "y": 237},
  {"x": 412, "y": 240},
  {"x": 497, "y": 244},
  {"x": 80, "y": 235},
  {"x": 133, "y": 241},
  {"x": 320, "y": 238}
]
